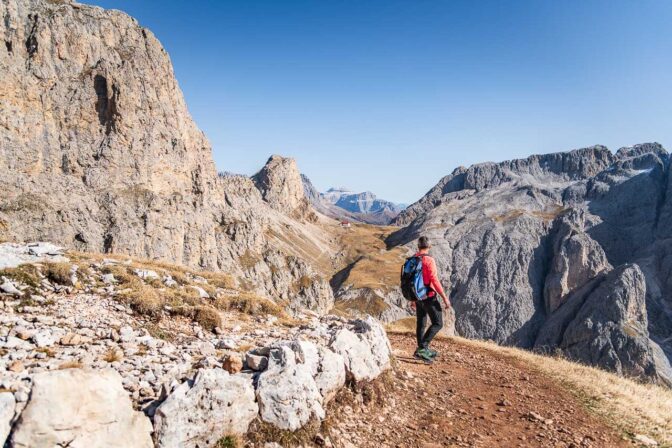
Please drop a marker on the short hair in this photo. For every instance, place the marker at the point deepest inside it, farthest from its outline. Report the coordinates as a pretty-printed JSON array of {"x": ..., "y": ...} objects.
[{"x": 423, "y": 242}]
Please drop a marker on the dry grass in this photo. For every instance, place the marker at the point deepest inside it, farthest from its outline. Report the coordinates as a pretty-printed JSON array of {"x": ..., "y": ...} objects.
[
  {"x": 113, "y": 355},
  {"x": 373, "y": 265},
  {"x": 364, "y": 304},
  {"x": 401, "y": 326},
  {"x": 206, "y": 316},
  {"x": 251, "y": 304},
  {"x": 27, "y": 274},
  {"x": 230, "y": 441},
  {"x": 70, "y": 365},
  {"x": 248, "y": 260},
  {"x": 59, "y": 273}
]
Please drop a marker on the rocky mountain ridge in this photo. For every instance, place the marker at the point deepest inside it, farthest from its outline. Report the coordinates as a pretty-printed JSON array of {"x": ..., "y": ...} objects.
[
  {"x": 343, "y": 204},
  {"x": 565, "y": 251}
]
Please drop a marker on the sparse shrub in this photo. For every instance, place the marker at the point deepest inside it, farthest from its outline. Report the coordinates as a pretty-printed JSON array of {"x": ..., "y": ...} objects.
[
  {"x": 27, "y": 274},
  {"x": 229, "y": 441},
  {"x": 144, "y": 300},
  {"x": 247, "y": 303},
  {"x": 59, "y": 273},
  {"x": 219, "y": 279},
  {"x": 248, "y": 260},
  {"x": 305, "y": 282},
  {"x": 70, "y": 365},
  {"x": 206, "y": 316},
  {"x": 113, "y": 355}
]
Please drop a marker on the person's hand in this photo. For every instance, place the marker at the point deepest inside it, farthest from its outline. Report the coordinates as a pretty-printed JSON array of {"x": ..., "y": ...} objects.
[
  {"x": 412, "y": 305},
  {"x": 446, "y": 302}
]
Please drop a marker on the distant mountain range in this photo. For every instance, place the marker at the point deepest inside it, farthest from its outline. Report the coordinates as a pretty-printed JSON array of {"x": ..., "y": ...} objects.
[{"x": 341, "y": 203}]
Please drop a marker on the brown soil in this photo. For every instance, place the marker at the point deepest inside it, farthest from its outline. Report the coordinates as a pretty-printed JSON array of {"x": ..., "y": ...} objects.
[{"x": 470, "y": 397}]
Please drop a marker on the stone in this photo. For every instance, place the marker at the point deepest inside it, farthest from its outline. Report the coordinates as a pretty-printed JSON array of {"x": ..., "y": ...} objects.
[
  {"x": 645, "y": 440},
  {"x": 366, "y": 352},
  {"x": 73, "y": 339},
  {"x": 288, "y": 396},
  {"x": 16, "y": 366},
  {"x": 233, "y": 363},
  {"x": 108, "y": 279},
  {"x": 201, "y": 292},
  {"x": 8, "y": 288},
  {"x": 199, "y": 412},
  {"x": 146, "y": 274},
  {"x": 330, "y": 375},
  {"x": 80, "y": 409},
  {"x": 256, "y": 362},
  {"x": 43, "y": 338},
  {"x": 7, "y": 405}
]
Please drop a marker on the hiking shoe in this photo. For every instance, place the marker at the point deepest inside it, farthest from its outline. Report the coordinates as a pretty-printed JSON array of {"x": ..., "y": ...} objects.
[
  {"x": 432, "y": 353},
  {"x": 423, "y": 354}
]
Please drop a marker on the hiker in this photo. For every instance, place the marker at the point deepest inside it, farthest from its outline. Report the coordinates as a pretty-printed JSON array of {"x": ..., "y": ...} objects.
[{"x": 421, "y": 285}]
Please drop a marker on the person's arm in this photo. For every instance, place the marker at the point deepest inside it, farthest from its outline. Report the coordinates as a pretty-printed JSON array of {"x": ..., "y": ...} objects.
[{"x": 434, "y": 282}]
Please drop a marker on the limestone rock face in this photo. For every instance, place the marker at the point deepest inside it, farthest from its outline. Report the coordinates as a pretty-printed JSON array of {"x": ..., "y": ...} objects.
[
  {"x": 365, "y": 348},
  {"x": 279, "y": 182},
  {"x": 98, "y": 153},
  {"x": 287, "y": 393},
  {"x": 80, "y": 409},
  {"x": 566, "y": 251},
  {"x": 7, "y": 405},
  {"x": 200, "y": 412}
]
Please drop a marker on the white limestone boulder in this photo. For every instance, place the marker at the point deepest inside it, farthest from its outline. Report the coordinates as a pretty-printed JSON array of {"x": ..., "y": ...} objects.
[
  {"x": 80, "y": 409},
  {"x": 200, "y": 412}
]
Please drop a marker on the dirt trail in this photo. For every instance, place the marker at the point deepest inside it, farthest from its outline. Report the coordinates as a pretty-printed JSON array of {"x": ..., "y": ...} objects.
[{"x": 471, "y": 397}]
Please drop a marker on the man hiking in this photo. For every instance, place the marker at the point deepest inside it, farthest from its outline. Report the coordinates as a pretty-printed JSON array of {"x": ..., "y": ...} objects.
[{"x": 429, "y": 304}]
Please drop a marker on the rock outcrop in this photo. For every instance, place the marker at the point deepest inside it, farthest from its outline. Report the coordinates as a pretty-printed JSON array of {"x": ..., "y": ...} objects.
[
  {"x": 80, "y": 409},
  {"x": 98, "y": 153},
  {"x": 564, "y": 251},
  {"x": 76, "y": 360},
  {"x": 198, "y": 413}
]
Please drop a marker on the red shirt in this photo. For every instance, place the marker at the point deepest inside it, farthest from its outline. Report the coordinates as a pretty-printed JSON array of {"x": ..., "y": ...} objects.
[{"x": 429, "y": 274}]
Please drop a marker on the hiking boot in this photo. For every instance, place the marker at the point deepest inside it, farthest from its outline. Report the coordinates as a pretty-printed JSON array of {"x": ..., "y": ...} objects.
[
  {"x": 432, "y": 353},
  {"x": 423, "y": 354}
]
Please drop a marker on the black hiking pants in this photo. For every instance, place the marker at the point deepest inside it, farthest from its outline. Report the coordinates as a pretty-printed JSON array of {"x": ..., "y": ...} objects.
[{"x": 432, "y": 308}]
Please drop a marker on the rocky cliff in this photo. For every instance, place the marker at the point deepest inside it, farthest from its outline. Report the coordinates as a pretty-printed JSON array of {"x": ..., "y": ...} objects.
[
  {"x": 566, "y": 251},
  {"x": 98, "y": 152}
]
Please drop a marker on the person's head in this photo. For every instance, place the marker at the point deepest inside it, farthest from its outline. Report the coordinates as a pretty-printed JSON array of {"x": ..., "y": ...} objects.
[{"x": 423, "y": 243}]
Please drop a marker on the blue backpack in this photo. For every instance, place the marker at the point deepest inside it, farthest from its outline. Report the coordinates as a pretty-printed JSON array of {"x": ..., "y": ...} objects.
[{"x": 412, "y": 284}]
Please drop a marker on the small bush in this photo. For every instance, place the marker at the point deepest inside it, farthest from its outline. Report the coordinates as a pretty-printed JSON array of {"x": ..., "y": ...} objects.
[
  {"x": 206, "y": 316},
  {"x": 70, "y": 365},
  {"x": 229, "y": 441},
  {"x": 249, "y": 304},
  {"x": 113, "y": 355},
  {"x": 144, "y": 300},
  {"x": 219, "y": 279},
  {"x": 59, "y": 273},
  {"x": 27, "y": 274}
]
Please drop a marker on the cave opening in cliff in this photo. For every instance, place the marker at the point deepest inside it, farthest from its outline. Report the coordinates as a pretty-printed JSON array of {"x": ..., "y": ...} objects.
[
  {"x": 8, "y": 45},
  {"x": 106, "y": 106}
]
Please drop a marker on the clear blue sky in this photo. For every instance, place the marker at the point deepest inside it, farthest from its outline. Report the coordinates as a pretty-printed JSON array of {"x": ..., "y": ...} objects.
[{"x": 389, "y": 96}]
